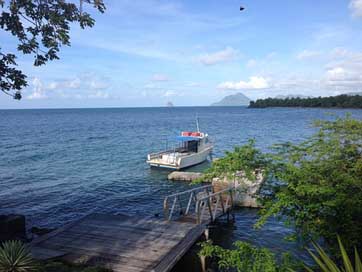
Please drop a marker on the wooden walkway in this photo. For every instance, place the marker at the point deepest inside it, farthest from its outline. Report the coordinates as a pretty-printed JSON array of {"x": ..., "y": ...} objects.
[{"x": 133, "y": 244}]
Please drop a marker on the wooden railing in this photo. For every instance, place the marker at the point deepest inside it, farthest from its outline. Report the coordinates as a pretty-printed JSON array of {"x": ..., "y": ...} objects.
[
  {"x": 218, "y": 204},
  {"x": 196, "y": 201},
  {"x": 175, "y": 204}
]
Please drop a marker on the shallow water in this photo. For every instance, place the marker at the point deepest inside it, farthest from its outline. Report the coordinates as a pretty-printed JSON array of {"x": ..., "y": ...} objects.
[{"x": 57, "y": 165}]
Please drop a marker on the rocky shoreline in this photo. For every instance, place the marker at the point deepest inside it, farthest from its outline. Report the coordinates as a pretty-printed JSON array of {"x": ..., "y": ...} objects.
[{"x": 246, "y": 190}]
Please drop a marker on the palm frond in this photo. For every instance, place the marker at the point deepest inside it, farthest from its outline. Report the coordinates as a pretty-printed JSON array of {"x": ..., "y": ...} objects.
[
  {"x": 15, "y": 257},
  {"x": 326, "y": 264}
]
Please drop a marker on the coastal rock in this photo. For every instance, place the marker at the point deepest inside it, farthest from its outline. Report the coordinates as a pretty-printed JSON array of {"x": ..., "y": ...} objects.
[
  {"x": 184, "y": 176},
  {"x": 12, "y": 227},
  {"x": 247, "y": 190}
]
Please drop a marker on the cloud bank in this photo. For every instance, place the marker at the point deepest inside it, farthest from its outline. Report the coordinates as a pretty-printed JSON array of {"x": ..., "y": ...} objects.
[
  {"x": 228, "y": 54},
  {"x": 254, "y": 82}
]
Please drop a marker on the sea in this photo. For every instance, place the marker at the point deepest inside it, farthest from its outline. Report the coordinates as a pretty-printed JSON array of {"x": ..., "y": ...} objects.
[{"x": 57, "y": 165}]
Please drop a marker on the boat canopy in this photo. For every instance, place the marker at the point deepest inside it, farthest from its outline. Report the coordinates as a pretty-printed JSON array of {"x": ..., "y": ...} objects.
[{"x": 187, "y": 138}]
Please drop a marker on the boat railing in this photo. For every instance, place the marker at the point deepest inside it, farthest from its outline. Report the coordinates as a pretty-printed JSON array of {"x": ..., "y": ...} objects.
[
  {"x": 182, "y": 203},
  {"x": 158, "y": 154}
]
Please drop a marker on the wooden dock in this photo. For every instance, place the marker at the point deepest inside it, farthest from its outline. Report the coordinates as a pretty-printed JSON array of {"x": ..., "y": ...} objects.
[{"x": 132, "y": 244}]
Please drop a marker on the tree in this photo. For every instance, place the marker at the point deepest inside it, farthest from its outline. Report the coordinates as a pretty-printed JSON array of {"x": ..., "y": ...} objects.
[
  {"x": 247, "y": 158},
  {"x": 315, "y": 186},
  {"x": 339, "y": 101},
  {"x": 320, "y": 184},
  {"x": 41, "y": 28},
  {"x": 246, "y": 257}
]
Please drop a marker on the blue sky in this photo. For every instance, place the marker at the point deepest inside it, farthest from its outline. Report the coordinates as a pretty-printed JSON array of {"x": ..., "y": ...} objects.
[{"x": 148, "y": 52}]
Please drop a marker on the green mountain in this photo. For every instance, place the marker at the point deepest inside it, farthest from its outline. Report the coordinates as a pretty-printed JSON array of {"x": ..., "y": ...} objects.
[{"x": 237, "y": 99}]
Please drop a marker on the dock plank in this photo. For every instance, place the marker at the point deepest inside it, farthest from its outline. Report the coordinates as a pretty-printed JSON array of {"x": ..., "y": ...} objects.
[
  {"x": 125, "y": 243},
  {"x": 119, "y": 242}
]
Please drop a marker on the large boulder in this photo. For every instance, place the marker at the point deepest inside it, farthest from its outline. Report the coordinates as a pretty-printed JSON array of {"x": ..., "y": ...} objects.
[
  {"x": 246, "y": 189},
  {"x": 12, "y": 227},
  {"x": 184, "y": 176}
]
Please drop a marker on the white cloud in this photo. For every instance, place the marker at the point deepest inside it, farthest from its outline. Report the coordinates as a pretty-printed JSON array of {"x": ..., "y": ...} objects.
[
  {"x": 251, "y": 63},
  {"x": 343, "y": 79},
  {"x": 194, "y": 84},
  {"x": 338, "y": 52},
  {"x": 73, "y": 83},
  {"x": 343, "y": 72},
  {"x": 172, "y": 93},
  {"x": 265, "y": 61},
  {"x": 356, "y": 8},
  {"x": 151, "y": 86},
  {"x": 160, "y": 77},
  {"x": 38, "y": 90},
  {"x": 169, "y": 93},
  {"x": 96, "y": 84},
  {"x": 86, "y": 85},
  {"x": 82, "y": 82},
  {"x": 228, "y": 54},
  {"x": 99, "y": 94},
  {"x": 255, "y": 82},
  {"x": 307, "y": 54},
  {"x": 336, "y": 73}
]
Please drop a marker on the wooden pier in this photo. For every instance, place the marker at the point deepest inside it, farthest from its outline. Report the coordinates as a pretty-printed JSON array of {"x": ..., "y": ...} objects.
[{"x": 132, "y": 244}]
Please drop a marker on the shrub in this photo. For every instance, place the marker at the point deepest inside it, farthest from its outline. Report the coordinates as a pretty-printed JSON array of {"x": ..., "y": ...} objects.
[{"x": 14, "y": 257}]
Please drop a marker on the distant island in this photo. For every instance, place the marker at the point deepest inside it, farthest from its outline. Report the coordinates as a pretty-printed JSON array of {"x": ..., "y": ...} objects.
[
  {"x": 169, "y": 104},
  {"x": 237, "y": 99},
  {"x": 352, "y": 100}
]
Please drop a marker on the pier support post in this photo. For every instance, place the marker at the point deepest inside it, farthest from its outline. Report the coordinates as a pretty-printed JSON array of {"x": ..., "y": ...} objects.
[
  {"x": 203, "y": 258},
  {"x": 207, "y": 234},
  {"x": 203, "y": 263}
]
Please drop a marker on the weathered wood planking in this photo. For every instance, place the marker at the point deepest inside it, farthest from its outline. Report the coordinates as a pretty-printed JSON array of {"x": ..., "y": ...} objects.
[
  {"x": 120, "y": 242},
  {"x": 133, "y": 244}
]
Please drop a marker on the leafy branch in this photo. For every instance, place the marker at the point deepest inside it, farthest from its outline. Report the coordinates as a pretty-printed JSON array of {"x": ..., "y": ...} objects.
[{"x": 41, "y": 28}]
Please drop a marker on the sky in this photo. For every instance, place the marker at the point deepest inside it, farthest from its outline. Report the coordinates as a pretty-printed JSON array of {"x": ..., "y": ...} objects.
[{"x": 145, "y": 53}]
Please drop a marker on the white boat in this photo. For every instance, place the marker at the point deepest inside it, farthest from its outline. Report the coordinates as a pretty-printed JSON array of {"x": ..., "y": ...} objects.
[{"x": 194, "y": 148}]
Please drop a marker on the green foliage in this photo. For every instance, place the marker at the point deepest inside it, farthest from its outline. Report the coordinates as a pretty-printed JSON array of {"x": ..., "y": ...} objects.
[
  {"x": 14, "y": 257},
  {"x": 321, "y": 189},
  {"x": 245, "y": 257},
  {"x": 246, "y": 158},
  {"x": 340, "y": 101},
  {"x": 315, "y": 186},
  {"x": 41, "y": 28},
  {"x": 326, "y": 264}
]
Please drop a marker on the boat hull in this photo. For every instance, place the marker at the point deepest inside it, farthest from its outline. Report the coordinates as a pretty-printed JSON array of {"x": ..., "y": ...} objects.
[{"x": 184, "y": 161}]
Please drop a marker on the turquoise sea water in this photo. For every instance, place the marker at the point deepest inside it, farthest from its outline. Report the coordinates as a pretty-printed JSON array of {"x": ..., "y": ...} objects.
[{"x": 57, "y": 165}]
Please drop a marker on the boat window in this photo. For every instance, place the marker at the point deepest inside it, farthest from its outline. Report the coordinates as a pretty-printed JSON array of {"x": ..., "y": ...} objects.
[{"x": 192, "y": 146}]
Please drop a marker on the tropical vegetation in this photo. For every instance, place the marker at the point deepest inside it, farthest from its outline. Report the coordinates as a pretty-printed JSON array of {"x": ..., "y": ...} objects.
[
  {"x": 339, "y": 101},
  {"x": 247, "y": 158},
  {"x": 14, "y": 257},
  {"x": 315, "y": 185},
  {"x": 245, "y": 257},
  {"x": 326, "y": 264}
]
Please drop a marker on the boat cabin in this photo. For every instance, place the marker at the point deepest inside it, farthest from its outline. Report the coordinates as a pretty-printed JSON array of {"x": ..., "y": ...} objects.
[{"x": 190, "y": 142}]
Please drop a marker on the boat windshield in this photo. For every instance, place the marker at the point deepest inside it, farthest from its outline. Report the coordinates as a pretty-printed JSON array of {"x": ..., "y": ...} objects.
[{"x": 188, "y": 146}]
